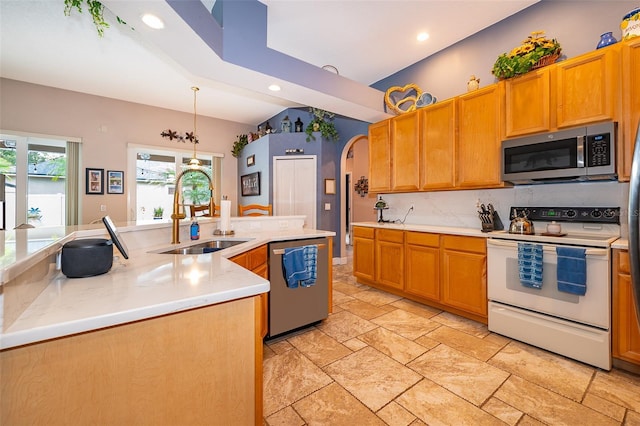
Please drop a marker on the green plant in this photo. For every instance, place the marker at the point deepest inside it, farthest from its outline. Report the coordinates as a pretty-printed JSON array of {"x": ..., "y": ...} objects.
[
  {"x": 239, "y": 145},
  {"x": 158, "y": 211},
  {"x": 96, "y": 9},
  {"x": 321, "y": 122},
  {"x": 523, "y": 58}
]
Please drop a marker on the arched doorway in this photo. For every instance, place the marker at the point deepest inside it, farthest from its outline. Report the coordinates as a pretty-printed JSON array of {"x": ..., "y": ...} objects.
[{"x": 354, "y": 207}]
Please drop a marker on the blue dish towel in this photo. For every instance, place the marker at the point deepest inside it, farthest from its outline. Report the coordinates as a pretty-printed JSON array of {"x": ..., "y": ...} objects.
[
  {"x": 572, "y": 270},
  {"x": 530, "y": 264},
  {"x": 299, "y": 266}
]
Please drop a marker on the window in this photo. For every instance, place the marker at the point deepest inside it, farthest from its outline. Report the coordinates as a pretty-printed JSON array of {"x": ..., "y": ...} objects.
[
  {"x": 35, "y": 172},
  {"x": 155, "y": 176}
]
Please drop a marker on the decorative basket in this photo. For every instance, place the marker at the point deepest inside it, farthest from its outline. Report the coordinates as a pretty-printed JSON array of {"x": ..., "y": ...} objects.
[{"x": 545, "y": 60}]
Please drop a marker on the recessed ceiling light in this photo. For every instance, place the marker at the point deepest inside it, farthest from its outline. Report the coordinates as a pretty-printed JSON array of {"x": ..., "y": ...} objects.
[
  {"x": 153, "y": 21},
  {"x": 423, "y": 36},
  {"x": 274, "y": 88}
]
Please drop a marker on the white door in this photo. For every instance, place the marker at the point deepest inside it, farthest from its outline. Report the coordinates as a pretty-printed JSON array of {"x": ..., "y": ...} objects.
[{"x": 294, "y": 187}]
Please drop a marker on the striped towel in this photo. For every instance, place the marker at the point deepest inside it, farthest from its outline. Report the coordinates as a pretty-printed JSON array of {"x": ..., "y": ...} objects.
[
  {"x": 572, "y": 270},
  {"x": 530, "y": 264},
  {"x": 299, "y": 266}
]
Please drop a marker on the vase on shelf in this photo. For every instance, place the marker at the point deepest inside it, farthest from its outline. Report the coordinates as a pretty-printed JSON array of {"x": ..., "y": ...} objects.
[{"x": 606, "y": 39}]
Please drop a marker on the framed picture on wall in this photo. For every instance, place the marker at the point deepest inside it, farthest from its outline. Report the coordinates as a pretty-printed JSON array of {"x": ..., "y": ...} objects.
[
  {"x": 94, "y": 181},
  {"x": 251, "y": 160},
  {"x": 115, "y": 182},
  {"x": 329, "y": 186},
  {"x": 250, "y": 184}
]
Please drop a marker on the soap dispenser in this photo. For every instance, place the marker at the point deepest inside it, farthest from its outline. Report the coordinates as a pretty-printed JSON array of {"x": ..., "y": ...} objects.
[{"x": 195, "y": 229}]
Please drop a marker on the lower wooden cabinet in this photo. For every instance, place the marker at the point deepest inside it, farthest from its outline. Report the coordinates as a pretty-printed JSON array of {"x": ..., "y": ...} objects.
[
  {"x": 256, "y": 260},
  {"x": 448, "y": 272},
  {"x": 363, "y": 253},
  {"x": 625, "y": 328},
  {"x": 464, "y": 273},
  {"x": 389, "y": 258},
  {"x": 195, "y": 367},
  {"x": 422, "y": 265}
]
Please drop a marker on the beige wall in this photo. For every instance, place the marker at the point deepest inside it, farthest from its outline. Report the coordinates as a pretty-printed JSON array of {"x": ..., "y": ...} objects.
[
  {"x": 106, "y": 126},
  {"x": 362, "y": 207}
]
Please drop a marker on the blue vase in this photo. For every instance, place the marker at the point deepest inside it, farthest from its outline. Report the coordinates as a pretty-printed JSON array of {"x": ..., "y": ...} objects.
[{"x": 605, "y": 40}]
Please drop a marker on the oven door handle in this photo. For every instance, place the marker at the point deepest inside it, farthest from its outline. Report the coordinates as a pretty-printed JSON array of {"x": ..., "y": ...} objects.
[{"x": 550, "y": 248}]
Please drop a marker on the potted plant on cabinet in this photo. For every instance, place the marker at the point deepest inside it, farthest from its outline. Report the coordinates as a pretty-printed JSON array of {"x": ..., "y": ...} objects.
[
  {"x": 535, "y": 52},
  {"x": 322, "y": 123},
  {"x": 239, "y": 145}
]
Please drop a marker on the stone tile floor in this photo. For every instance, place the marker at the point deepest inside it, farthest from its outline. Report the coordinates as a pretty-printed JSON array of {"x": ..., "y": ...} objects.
[{"x": 380, "y": 359}]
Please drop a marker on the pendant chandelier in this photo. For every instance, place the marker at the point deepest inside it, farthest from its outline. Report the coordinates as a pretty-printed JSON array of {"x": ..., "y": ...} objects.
[{"x": 192, "y": 137}]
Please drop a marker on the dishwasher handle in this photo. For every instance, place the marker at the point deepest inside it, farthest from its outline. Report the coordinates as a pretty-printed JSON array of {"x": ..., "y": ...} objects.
[{"x": 281, "y": 251}]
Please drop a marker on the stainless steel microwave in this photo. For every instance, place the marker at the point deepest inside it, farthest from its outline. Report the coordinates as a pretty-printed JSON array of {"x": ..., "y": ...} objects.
[{"x": 579, "y": 154}]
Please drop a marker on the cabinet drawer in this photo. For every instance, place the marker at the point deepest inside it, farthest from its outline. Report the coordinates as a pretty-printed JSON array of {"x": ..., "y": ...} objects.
[
  {"x": 423, "y": 239},
  {"x": 389, "y": 235},
  {"x": 257, "y": 257},
  {"x": 359, "y": 231},
  {"x": 623, "y": 261},
  {"x": 472, "y": 244}
]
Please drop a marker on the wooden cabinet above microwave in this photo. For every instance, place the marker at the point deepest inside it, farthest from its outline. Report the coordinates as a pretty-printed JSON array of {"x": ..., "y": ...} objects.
[{"x": 577, "y": 91}]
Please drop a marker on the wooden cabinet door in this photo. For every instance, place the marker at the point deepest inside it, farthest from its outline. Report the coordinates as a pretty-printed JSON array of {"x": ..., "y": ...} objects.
[
  {"x": 422, "y": 257},
  {"x": 464, "y": 273},
  {"x": 630, "y": 106},
  {"x": 587, "y": 87},
  {"x": 405, "y": 152},
  {"x": 255, "y": 260},
  {"x": 625, "y": 329},
  {"x": 389, "y": 258},
  {"x": 437, "y": 151},
  {"x": 479, "y": 137},
  {"x": 380, "y": 156},
  {"x": 363, "y": 253},
  {"x": 527, "y": 103}
]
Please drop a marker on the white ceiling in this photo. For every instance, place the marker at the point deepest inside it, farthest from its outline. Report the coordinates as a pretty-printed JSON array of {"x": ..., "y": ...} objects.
[{"x": 365, "y": 40}]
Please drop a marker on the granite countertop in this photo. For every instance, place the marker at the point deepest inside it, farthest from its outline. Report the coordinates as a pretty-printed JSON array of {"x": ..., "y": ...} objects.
[
  {"x": 470, "y": 232},
  {"x": 146, "y": 285}
]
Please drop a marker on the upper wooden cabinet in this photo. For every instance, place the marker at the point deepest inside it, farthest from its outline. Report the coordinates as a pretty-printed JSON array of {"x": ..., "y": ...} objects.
[
  {"x": 587, "y": 87},
  {"x": 380, "y": 156},
  {"x": 479, "y": 137},
  {"x": 528, "y": 104},
  {"x": 437, "y": 146},
  {"x": 577, "y": 91},
  {"x": 630, "y": 106},
  {"x": 405, "y": 152}
]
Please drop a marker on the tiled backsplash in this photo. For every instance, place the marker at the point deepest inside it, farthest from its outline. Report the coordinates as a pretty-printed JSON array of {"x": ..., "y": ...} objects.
[{"x": 458, "y": 208}]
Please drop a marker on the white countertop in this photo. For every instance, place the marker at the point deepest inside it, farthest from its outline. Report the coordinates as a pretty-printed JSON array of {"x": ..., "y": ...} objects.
[
  {"x": 146, "y": 285},
  {"x": 470, "y": 232},
  {"x": 621, "y": 243}
]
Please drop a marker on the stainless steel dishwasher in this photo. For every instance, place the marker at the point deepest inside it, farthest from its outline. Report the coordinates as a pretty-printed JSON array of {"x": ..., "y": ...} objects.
[{"x": 291, "y": 308}]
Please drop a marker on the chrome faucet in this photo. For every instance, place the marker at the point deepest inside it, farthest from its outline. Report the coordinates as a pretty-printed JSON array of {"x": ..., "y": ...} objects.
[{"x": 176, "y": 216}]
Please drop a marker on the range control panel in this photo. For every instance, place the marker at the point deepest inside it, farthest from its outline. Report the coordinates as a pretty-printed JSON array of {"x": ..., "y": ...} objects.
[{"x": 569, "y": 214}]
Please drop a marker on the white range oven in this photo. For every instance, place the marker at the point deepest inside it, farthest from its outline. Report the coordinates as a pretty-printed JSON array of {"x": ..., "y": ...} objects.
[{"x": 543, "y": 313}]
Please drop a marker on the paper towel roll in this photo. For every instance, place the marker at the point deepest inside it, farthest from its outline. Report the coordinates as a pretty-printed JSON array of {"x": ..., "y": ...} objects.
[{"x": 225, "y": 215}]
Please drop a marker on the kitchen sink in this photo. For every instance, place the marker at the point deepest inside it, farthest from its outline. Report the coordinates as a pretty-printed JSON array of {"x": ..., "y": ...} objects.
[{"x": 206, "y": 247}]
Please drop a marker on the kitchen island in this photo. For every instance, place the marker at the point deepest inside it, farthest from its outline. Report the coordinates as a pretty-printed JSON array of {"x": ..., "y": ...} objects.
[{"x": 159, "y": 339}]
